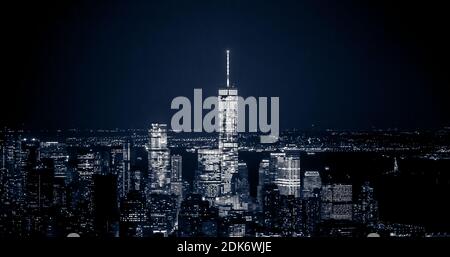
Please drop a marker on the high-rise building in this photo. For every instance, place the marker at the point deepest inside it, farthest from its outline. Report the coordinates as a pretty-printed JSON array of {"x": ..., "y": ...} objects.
[
  {"x": 273, "y": 166},
  {"x": 162, "y": 213},
  {"x": 39, "y": 185},
  {"x": 176, "y": 183},
  {"x": 311, "y": 182},
  {"x": 271, "y": 205},
  {"x": 177, "y": 167},
  {"x": 133, "y": 215},
  {"x": 197, "y": 217},
  {"x": 366, "y": 206},
  {"x": 39, "y": 197},
  {"x": 120, "y": 166},
  {"x": 228, "y": 135},
  {"x": 159, "y": 160},
  {"x": 288, "y": 173},
  {"x": 86, "y": 168},
  {"x": 336, "y": 202},
  {"x": 311, "y": 207},
  {"x": 290, "y": 215},
  {"x": 125, "y": 175},
  {"x": 58, "y": 153},
  {"x": 263, "y": 179},
  {"x": 240, "y": 183},
  {"x": 208, "y": 176}
]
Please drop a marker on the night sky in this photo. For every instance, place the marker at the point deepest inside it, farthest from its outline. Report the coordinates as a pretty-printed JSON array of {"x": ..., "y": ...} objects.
[{"x": 334, "y": 64}]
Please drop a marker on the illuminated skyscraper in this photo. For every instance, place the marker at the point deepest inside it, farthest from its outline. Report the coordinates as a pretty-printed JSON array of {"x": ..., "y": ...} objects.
[
  {"x": 311, "y": 182},
  {"x": 86, "y": 167},
  {"x": 159, "y": 158},
  {"x": 336, "y": 202},
  {"x": 273, "y": 166},
  {"x": 162, "y": 206},
  {"x": 208, "y": 177},
  {"x": 288, "y": 173},
  {"x": 366, "y": 207},
  {"x": 176, "y": 183},
  {"x": 120, "y": 165},
  {"x": 228, "y": 136},
  {"x": 58, "y": 153},
  {"x": 263, "y": 179},
  {"x": 133, "y": 215}
]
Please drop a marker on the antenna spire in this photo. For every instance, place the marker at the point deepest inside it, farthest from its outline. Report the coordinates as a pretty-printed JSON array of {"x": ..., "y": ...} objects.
[{"x": 228, "y": 68}]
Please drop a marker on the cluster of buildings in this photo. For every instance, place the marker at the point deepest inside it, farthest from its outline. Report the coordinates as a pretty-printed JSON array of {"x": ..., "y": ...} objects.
[{"x": 52, "y": 189}]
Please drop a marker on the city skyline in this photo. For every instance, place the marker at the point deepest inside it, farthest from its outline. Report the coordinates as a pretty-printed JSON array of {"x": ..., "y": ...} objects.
[
  {"x": 103, "y": 190},
  {"x": 355, "y": 142}
]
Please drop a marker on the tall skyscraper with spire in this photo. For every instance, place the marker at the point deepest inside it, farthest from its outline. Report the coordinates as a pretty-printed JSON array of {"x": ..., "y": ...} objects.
[{"x": 228, "y": 136}]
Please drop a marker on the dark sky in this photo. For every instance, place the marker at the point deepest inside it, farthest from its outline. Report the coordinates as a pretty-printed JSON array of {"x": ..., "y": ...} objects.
[{"x": 335, "y": 64}]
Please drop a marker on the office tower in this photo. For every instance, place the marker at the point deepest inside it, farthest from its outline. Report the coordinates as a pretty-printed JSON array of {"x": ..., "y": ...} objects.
[
  {"x": 159, "y": 160},
  {"x": 240, "y": 184},
  {"x": 39, "y": 185},
  {"x": 117, "y": 168},
  {"x": 14, "y": 172},
  {"x": 30, "y": 153},
  {"x": 162, "y": 209},
  {"x": 288, "y": 173},
  {"x": 366, "y": 206},
  {"x": 39, "y": 198},
  {"x": 239, "y": 199},
  {"x": 311, "y": 182},
  {"x": 58, "y": 153},
  {"x": 208, "y": 176},
  {"x": 125, "y": 178},
  {"x": 29, "y": 159},
  {"x": 102, "y": 162},
  {"x": 120, "y": 166},
  {"x": 176, "y": 183},
  {"x": 87, "y": 166},
  {"x": 290, "y": 215},
  {"x": 12, "y": 201},
  {"x": 197, "y": 217},
  {"x": 177, "y": 167},
  {"x": 228, "y": 136},
  {"x": 133, "y": 215},
  {"x": 60, "y": 193},
  {"x": 28, "y": 164},
  {"x": 274, "y": 159},
  {"x": 336, "y": 202},
  {"x": 263, "y": 179},
  {"x": 271, "y": 207},
  {"x": 311, "y": 207}
]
